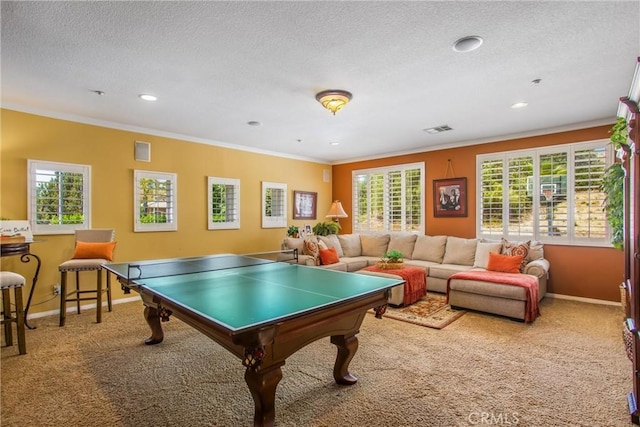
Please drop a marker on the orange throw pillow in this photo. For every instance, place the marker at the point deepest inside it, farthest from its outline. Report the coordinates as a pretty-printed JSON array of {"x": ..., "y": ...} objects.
[
  {"x": 94, "y": 250},
  {"x": 504, "y": 263},
  {"x": 329, "y": 256}
]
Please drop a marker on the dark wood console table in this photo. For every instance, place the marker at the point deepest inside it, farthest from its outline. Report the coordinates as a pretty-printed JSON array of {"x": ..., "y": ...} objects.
[{"x": 23, "y": 249}]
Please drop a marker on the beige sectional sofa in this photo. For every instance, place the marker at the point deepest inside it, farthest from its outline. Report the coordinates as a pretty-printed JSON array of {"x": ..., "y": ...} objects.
[{"x": 441, "y": 257}]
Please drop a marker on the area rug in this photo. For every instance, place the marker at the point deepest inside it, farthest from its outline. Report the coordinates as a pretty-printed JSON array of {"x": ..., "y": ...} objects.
[{"x": 431, "y": 311}]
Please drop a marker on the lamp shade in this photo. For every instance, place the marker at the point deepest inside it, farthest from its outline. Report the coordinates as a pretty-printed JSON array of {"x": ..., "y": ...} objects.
[{"x": 336, "y": 211}]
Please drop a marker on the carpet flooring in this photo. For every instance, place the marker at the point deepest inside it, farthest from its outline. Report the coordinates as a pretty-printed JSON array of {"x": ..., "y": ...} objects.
[{"x": 568, "y": 368}]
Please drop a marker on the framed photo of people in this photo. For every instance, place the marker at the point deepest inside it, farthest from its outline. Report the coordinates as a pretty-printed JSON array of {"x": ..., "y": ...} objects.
[
  {"x": 450, "y": 197},
  {"x": 304, "y": 204}
]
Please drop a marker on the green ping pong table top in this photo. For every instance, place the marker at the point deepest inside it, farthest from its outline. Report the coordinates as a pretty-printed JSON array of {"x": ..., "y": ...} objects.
[{"x": 240, "y": 292}]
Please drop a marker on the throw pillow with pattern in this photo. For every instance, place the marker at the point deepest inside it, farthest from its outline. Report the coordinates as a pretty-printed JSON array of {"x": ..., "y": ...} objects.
[
  {"x": 311, "y": 248},
  {"x": 517, "y": 248}
]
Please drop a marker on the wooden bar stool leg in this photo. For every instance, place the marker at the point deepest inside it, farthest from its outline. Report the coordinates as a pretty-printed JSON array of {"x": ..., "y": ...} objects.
[
  {"x": 6, "y": 317},
  {"x": 99, "y": 297},
  {"x": 63, "y": 297},
  {"x": 22, "y": 343},
  {"x": 78, "y": 291}
]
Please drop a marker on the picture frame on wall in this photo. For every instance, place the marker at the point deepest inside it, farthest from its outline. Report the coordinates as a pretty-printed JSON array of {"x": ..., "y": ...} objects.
[
  {"x": 304, "y": 204},
  {"x": 450, "y": 197}
]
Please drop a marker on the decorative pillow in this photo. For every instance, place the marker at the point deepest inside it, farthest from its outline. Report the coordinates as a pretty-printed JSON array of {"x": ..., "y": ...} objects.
[
  {"x": 322, "y": 245},
  {"x": 350, "y": 244},
  {"x": 429, "y": 248},
  {"x": 519, "y": 248},
  {"x": 504, "y": 263},
  {"x": 482, "y": 253},
  {"x": 94, "y": 250},
  {"x": 374, "y": 244},
  {"x": 460, "y": 251},
  {"x": 404, "y": 243},
  {"x": 332, "y": 241},
  {"x": 329, "y": 256},
  {"x": 311, "y": 248}
]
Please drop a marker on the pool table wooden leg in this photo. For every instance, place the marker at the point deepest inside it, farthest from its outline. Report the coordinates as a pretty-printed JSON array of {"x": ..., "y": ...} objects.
[
  {"x": 153, "y": 320},
  {"x": 262, "y": 385},
  {"x": 347, "y": 347}
]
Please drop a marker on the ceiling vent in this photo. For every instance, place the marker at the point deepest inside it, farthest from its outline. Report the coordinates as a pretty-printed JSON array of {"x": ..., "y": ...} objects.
[{"x": 438, "y": 129}]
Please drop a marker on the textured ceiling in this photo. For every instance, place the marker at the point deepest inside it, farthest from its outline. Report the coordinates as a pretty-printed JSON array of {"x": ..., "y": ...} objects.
[{"x": 215, "y": 66}]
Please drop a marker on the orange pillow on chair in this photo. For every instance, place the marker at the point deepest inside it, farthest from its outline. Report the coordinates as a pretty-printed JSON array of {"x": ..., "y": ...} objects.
[
  {"x": 329, "y": 256},
  {"x": 504, "y": 263},
  {"x": 94, "y": 250}
]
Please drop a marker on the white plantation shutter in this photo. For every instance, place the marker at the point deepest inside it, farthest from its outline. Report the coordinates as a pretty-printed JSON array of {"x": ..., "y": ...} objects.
[
  {"x": 551, "y": 194},
  {"x": 224, "y": 203},
  {"x": 155, "y": 201},
  {"x": 59, "y": 197},
  {"x": 388, "y": 199},
  {"x": 274, "y": 205}
]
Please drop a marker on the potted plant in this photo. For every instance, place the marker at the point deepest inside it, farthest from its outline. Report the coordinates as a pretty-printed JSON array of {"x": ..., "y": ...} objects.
[
  {"x": 613, "y": 185},
  {"x": 293, "y": 231},
  {"x": 392, "y": 259},
  {"x": 326, "y": 228}
]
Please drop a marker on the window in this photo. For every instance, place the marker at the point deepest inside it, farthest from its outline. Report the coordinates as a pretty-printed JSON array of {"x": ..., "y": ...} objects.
[
  {"x": 155, "y": 201},
  {"x": 224, "y": 203},
  {"x": 389, "y": 199},
  {"x": 551, "y": 194},
  {"x": 274, "y": 205},
  {"x": 59, "y": 197}
]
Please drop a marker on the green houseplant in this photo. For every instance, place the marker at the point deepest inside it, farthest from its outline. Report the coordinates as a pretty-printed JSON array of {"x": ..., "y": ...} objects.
[
  {"x": 613, "y": 185},
  {"x": 326, "y": 228},
  {"x": 394, "y": 256},
  {"x": 293, "y": 231}
]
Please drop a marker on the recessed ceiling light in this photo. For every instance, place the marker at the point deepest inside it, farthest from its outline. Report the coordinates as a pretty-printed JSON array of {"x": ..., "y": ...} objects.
[
  {"x": 334, "y": 143},
  {"x": 254, "y": 123},
  {"x": 519, "y": 105},
  {"x": 467, "y": 44},
  {"x": 148, "y": 97}
]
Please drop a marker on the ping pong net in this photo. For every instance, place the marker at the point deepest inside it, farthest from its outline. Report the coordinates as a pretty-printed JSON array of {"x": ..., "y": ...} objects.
[{"x": 183, "y": 266}]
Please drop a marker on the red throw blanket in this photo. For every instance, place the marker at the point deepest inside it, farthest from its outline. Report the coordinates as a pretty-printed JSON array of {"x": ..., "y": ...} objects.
[
  {"x": 516, "y": 279},
  {"x": 415, "y": 281}
]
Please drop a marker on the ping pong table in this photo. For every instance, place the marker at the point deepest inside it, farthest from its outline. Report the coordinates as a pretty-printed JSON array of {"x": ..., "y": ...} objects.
[{"x": 261, "y": 311}]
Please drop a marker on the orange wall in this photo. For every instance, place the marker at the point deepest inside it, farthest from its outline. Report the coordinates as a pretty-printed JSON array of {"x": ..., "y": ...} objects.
[{"x": 601, "y": 270}]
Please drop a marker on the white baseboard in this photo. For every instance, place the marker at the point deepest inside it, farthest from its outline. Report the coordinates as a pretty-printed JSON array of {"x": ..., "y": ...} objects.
[
  {"x": 581, "y": 299},
  {"x": 82, "y": 307}
]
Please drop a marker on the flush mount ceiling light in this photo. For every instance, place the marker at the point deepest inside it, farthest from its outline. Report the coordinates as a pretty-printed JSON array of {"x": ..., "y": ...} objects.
[
  {"x": 334, "y": 100},
  {"x": 467, "y": 44},
  {"x": 147, "y": 97}
]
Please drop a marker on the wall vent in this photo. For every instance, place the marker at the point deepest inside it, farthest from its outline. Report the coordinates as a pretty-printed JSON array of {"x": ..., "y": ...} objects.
[{"x": 438, "y": 129}]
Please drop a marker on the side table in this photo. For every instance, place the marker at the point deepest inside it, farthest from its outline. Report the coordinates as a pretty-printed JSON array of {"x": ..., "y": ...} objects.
[{"x": 23, "y": 249}]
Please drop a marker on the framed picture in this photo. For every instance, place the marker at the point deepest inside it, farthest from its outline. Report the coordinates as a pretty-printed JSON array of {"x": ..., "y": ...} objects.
[
  {"x": 304, "y": 204},
  {"x": 450, "y": 197}
]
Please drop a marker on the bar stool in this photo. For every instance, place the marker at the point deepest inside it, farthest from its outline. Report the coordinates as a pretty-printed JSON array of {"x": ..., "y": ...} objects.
[
  {"x": 94, "y": 247},
  {"x": 15, "y": 281}
]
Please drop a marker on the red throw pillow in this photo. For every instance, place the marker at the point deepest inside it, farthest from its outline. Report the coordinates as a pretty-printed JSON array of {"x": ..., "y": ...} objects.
[
  {"x": 504, "y": 263},
  {"x": 94, "y": 250},
  {"x": 329, "y": 256}
]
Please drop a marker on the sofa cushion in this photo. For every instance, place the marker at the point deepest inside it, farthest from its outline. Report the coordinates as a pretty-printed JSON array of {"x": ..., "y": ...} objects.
[
  {"x": 350, "y": 244},
  {"x": 328, "y": 256},
  {"x": 311, "y": 248},
  {"x": 374, "y": 244},
  {"x": 460, "y": 251},
  {"x": 517, "y": 248},
  {"x": 482, "y": 253},
  {"x": 355, "y": 264},
  {"x": 429, "y": 248},
  {"x": 504, "y": 263},
  {"x": 444, "y": 271},
  {"x": 404, "y": 243},
  {"x": 294, "y": 243},
  {"x": 332, "y": 242}
]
